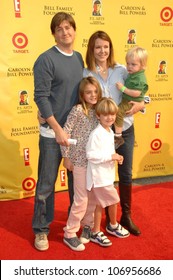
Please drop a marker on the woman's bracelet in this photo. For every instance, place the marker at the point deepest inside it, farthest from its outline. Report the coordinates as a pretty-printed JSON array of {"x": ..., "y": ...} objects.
[{"x": 123, "y": 89}]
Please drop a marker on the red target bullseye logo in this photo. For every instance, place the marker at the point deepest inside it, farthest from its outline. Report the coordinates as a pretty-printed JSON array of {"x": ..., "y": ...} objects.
[
  {"x": 28, "y": 184},
  {"x": 156, "y": 144},
  {"x": 20, "y": 40},
  {"x": 166, "y": 14}
]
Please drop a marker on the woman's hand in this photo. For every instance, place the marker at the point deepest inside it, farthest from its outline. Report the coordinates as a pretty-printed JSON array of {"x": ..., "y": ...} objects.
[{"x": 136, "y": 107}]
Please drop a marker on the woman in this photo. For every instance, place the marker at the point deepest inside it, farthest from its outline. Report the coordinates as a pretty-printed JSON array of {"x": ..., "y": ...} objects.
[{"x": 101, "y": 64}]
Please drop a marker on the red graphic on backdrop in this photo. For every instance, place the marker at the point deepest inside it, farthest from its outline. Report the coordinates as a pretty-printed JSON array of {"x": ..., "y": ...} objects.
[
  {"x": 17, "y": 8},
  {"x": 20, "y": 40},
  {"x": 157, "y": 120},
  {"x": 156, "y": 144},
  {"x": 28, "y": 184},
  {"x": 26, "y": 156},
  {"x": 166, "y": 14}
]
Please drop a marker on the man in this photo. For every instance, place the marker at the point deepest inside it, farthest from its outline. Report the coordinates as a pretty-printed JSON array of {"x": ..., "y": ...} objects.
[{"x": 57, "y": 73}]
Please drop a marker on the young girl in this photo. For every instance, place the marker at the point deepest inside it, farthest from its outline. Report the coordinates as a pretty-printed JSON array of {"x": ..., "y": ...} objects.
[
  {"x": 80, "y": 122},
  {"x": 101, "y": 155}
]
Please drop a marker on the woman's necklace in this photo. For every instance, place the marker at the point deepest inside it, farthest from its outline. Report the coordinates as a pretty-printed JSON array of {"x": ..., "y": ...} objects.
[{"x": 101, "y": 70}]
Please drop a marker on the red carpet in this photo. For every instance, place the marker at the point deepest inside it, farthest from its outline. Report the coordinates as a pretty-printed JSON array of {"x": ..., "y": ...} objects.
[{"x": 152, "y": 212}]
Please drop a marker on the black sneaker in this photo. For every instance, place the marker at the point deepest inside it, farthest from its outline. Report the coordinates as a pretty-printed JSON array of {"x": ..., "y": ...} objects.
[
  {"x": 100, "y": 239},
  {"x": 74, "y": 243},
  {"x": 85, "y": 235}
]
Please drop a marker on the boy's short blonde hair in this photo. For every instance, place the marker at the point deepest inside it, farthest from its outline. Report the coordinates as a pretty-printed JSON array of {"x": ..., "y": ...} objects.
[
  {"x": 106, "y": 106},
  {"x": 140, "y": 53}
]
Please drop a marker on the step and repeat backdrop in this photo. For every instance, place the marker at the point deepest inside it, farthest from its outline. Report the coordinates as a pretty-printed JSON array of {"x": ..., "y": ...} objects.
[{"x": 25, "y": 33}]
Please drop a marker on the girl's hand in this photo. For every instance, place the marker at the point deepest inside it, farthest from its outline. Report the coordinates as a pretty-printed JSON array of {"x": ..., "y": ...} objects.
[{"x": 68, "y": 164}]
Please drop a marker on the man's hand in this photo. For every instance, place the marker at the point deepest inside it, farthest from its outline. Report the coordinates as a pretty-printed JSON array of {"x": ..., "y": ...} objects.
[{"x": 62, "y": 137}]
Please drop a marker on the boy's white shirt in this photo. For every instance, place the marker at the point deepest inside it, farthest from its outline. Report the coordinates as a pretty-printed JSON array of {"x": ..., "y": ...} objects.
[{"x": 99, "y": 150}]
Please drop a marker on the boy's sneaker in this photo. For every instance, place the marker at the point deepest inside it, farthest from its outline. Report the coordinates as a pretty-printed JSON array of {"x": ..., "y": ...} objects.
[
  {"x": 74, "y": 243},
  {"x": 41, "y": 242},
  {"x": 100, "y": 239},
  {"x": 118, "y": 141},
  {"x": 119, "y": 231},
  {"x": 85, "y": 235}
]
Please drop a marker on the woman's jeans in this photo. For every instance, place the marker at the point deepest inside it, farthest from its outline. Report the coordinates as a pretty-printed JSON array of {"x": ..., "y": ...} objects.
[
  {"x": 126, "y": 150},
  {"x": 49, "y": 162}
]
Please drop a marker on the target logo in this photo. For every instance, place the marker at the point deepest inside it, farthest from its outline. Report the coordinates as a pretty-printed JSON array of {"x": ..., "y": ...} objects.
[
  {"x": 20, "y": 40},
  {"x": 156, "y": 144},
  {"x": 28, "y": 184},
  {"x": 166, "y": 14}
]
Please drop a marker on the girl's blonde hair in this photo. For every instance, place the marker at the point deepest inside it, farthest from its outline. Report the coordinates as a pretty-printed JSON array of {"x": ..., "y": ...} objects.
[
  {"x": 90, "y": 59},
  {"x": 140, "y": 53},
  {"x": 106, "y": 106},
  {"x": 84, "y": 82}
]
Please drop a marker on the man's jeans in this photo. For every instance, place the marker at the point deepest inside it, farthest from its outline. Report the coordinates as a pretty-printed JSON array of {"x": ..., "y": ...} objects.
[{"x": 49, "y": 162}]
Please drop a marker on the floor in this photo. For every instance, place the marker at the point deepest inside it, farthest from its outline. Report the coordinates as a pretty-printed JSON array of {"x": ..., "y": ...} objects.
[
  {"x": 150, "y": 180},
  {"x": 153, "y": 180}
]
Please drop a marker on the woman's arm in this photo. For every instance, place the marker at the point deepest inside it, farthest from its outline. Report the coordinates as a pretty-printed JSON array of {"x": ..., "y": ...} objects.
[{"x": 136, "y": 107}]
